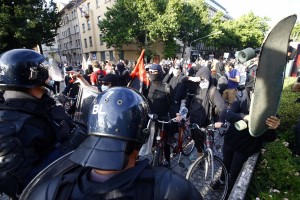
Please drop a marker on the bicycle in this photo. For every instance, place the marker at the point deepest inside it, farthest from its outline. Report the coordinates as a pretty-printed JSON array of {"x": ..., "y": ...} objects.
[
  {"x": 206, "y": 170},
  {"x": 183, "y": 144}
]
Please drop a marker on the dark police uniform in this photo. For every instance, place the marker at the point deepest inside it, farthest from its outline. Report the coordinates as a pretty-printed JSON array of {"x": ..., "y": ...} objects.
[
  {"x": 30, "y": 128},
  {"x": 113, "y": 139}
]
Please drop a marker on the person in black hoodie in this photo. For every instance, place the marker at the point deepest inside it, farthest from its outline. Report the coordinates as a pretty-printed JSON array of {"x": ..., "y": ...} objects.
[
  {"x": 122, "y": 74},
  {"x": 238, "y": 146},
  {"x": 205, "y": 98}
]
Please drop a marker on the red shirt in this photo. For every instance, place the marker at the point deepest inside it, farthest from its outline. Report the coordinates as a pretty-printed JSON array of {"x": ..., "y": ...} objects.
[{"x": 94, "y": 76}]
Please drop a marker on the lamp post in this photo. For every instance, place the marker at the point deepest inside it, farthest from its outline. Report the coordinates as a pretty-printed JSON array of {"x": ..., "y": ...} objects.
[{"x": 218, "y": 32}]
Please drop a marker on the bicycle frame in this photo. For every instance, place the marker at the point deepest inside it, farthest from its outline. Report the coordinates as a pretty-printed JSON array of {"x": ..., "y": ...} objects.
[
  {"x": 208, "y": 148},
  {"x": 181, "y": 144}
]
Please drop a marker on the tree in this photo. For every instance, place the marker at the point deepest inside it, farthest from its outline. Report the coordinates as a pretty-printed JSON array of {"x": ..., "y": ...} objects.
[
  {"x": 247, "y": 31},
  {"x": 295, "y": 35},
  {"x": 27, "y": 23},
  {"x": 143, "y": 22},
  {"x": 194, "y": 22}
]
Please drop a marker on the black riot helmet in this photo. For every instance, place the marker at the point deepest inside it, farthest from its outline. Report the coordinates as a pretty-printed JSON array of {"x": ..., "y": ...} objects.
[
  {"x": 116, "y": 122},
  {"x": 22, "y": 68}
]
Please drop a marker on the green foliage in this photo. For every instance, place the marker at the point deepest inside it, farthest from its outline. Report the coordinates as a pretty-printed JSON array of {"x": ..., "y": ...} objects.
[
  {"x": 295, "y": 35},
  {"x": 121, "y": 25},
  {"x": 194, "y": 22},
  {"x": 247, "y": 31},
  {"x": 278, "y": 169},
  {"x": 170, "y": 48},
  {"x": 27, "y": 23},
  {"x": 143, "y": 22}
]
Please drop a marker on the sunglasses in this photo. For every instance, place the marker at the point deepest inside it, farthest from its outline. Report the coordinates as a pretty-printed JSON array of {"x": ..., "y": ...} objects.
[
  {"x": 153, "y": 71},
  {"x": 177, "y": 68}
]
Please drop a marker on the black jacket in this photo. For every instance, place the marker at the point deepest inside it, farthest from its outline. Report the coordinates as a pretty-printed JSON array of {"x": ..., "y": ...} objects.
[
  {"x": 176, "y": 84},
  {"x": 160, "y": 97},
  {"x": 30, "y": 129},
  {"x": 139, "y": 182},
  {"x": 242, "y": 141}
]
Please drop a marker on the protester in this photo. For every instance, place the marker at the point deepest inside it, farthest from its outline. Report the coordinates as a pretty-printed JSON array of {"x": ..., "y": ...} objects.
[
  {"x": 238, "y": 145},
  {"x": 160, "y": 98},
  {"x": 233, "y": 77},
  {"x": 207, "y": 105},
  {"x": 97, "y": 73}
]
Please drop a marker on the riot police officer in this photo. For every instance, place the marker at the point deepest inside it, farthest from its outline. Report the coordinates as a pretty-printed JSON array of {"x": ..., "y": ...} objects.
[
  {"x": 30, "y": 122},
  {"x": 116, "y": 125}
]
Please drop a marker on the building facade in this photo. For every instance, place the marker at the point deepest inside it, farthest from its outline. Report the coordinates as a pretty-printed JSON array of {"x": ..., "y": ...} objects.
[
  {"x": 69, "y": 36},
  {"x": 79, "y": 36}
]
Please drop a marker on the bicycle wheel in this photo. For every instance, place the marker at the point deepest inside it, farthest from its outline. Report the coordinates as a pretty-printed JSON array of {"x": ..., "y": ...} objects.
[
  {"x": 158, "y": 157},
  {"x": 196, "y": 174},
  {"x": 188, "y": 143}
]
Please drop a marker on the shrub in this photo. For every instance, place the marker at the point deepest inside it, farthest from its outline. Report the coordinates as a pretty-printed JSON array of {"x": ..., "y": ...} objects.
[{"x": 277, "y": 171}]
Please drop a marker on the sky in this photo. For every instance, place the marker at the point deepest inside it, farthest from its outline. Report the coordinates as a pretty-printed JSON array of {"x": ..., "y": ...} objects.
[{"x": 274, "y": 9}]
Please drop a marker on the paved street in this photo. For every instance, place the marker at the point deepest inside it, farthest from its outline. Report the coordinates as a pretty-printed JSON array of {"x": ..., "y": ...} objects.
[{"x": 198, "y": 179}]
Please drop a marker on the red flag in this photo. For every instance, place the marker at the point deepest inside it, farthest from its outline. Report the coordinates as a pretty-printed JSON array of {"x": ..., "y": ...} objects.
[{"x": 139, "y": 72}]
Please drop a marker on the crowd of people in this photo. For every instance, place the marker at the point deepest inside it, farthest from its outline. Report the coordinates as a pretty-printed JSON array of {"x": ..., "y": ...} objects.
[{"x": 37, "y": 131}]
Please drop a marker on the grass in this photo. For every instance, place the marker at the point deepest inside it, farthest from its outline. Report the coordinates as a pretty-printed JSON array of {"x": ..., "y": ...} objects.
[{"x": 277, "y": 171}]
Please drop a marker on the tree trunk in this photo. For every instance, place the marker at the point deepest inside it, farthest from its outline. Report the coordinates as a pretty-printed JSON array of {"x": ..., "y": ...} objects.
[{"x": 40, "y": 48}]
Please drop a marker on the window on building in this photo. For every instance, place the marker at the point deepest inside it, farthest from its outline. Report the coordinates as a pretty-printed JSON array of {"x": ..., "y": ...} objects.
[
  {"x": 79, "y": 43},
  {"x": 91, "y": 41},
  {"x": 97, "y": 3},
  {"x": 69, "y": 31},
  {"x": 111, "y": 55},
  {"x": 87, "y": 56},
  {"x": 121, "y": 54},
  {"x": 83, "y": 27},
  {"x": 99, "y": 18},
  {"x": 100, "y": 38},
  {"x": 85, "y": 43},
  {"x": 74, "y": 29},
  {"x": 94, "y": 55},
  {"x": 88, "y": 24},
  {"x": 88, "y": 6},
  {"x": 102, "y": 54},
  {"x": 77, "y": 29}
]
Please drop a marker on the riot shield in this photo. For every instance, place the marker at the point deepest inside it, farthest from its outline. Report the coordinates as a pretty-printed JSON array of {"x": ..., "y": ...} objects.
[
  {"x": 60, "y": 166},
  {"x": 84, "y": 100}
]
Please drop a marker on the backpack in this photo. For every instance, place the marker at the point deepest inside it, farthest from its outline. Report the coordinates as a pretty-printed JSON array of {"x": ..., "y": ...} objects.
[
  {"x": 213, "y": 112},
  {"x": 222, "y": 83}
]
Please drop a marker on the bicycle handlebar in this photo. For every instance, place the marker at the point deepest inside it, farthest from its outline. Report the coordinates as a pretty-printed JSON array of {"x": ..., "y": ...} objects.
[
  {"x": 154, "y": 117},
  {"x": 167, "y": 122},
  {"x": 209, "y": 127}
]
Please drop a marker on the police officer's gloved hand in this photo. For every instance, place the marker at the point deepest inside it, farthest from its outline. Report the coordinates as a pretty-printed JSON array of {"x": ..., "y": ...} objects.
[{"x": 78, "y": 134}]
